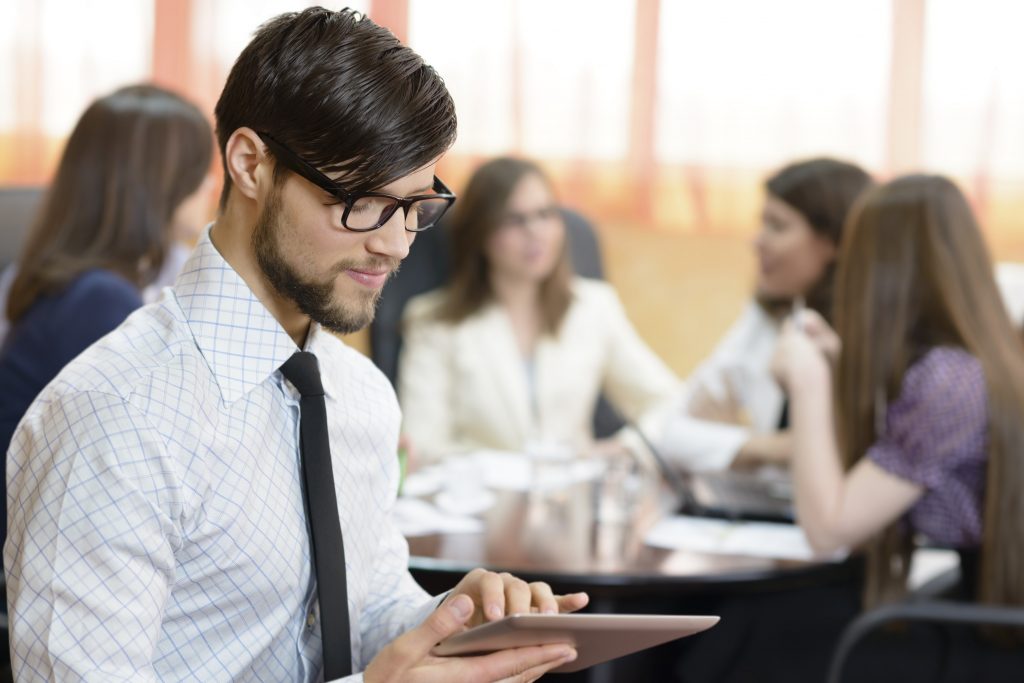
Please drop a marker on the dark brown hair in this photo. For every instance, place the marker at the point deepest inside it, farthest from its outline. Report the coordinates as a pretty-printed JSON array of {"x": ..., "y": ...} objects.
[
  {"x": 131, "y": 160},
  {"x": 822, "y": 190},
  {"x": 341, "y": 92},
  {"x": 914, "y": 273},
  {"x": 479, "y": 212}
]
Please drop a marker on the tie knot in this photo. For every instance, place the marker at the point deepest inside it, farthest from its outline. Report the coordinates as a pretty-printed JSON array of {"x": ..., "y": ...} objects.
[{"x": 303, "y": 371}]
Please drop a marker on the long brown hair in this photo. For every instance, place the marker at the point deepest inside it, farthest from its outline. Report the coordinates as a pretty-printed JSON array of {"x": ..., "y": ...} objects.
[
  {"x": 131, "y": 160},
  {"x": 477, "y": 215},
  {"x": 822, "y": 190},
  {"x": 914, "y": 273}
]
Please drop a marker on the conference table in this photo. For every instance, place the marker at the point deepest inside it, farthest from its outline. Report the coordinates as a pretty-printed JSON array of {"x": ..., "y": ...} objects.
[{"x": 577, "y": 537}]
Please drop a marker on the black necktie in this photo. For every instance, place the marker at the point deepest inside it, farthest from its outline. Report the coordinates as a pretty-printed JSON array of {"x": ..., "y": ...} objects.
[{"x": 322, "y": 509}]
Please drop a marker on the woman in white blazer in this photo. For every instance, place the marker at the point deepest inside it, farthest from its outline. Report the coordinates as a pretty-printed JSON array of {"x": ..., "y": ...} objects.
[
  {"x": 515, "y": 350},
  {"x": 732, "y": 410}
]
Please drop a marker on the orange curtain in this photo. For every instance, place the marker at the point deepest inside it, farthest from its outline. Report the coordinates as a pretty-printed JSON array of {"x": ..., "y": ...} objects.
[{"x": 654, "y": 114}]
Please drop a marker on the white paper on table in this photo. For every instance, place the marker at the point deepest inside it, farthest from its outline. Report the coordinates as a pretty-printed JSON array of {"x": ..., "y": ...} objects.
[
  {"x": 725, "y": 537},
  {"x": 415, "y": 517},
  {"x": 501, "y": 470},
  {"x": 424, "y": 482},
  {"x": 511, "y": 471}
]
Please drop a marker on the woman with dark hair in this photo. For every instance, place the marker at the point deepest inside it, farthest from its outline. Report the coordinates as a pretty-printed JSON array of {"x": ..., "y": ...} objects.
[
  {"x": 131, "y": 177},
  {"x": 732, "y": 411},
  {"x": 516, "y": 350},
  {"x": 926, "y": 376}
]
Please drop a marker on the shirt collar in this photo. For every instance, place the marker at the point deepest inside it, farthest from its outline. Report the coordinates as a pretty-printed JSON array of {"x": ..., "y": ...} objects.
[
  {"x": 323, "y": 345},
  {"x": 241, "y": 341}
]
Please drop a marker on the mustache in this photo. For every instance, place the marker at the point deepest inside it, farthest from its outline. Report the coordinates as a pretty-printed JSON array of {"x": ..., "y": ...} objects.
[{"x": 374, "y": 265}]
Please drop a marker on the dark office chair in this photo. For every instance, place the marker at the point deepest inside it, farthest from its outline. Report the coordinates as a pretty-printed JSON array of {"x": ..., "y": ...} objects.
[
  {"x": 5, "y": 636},
  {"x": 427, "y": 268},
  {"x": 18, "y": 207},
  {"x": 928, "y": 607}
]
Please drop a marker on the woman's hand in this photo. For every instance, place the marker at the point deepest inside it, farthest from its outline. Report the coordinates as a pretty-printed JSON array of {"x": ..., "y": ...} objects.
[
  {"x": 800, "y": 360},
  {"x": 819, "y": 332}
]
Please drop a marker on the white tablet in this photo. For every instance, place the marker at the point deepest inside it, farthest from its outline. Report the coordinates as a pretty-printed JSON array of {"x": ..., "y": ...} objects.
[{"x": 596, "y": 637}]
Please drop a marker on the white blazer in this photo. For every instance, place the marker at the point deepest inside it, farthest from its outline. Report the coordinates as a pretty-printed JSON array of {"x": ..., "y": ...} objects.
[
  {"x": 466, "y": 386},
  {"x": 741, "y": 362}
]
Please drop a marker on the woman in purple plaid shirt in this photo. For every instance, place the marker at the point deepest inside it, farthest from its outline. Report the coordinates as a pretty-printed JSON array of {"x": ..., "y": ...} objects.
[{"x": 924, "y": 433}]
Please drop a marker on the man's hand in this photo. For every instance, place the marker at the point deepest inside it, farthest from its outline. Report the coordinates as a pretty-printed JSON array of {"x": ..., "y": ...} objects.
[
  {"x": 495, "y": 595},
  {"x": 407, "y": 659}
]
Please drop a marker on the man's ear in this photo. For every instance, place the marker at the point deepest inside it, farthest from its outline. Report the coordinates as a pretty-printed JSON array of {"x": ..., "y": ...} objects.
[{"x": 243, "y": 155}]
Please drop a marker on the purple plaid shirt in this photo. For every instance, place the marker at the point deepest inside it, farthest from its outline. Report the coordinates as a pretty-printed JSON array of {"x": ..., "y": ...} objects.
[{"x": 937, "y": 437}]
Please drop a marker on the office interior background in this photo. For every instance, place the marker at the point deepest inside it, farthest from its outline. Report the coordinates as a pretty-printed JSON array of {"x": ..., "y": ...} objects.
[{"x": 659, "y": 119}]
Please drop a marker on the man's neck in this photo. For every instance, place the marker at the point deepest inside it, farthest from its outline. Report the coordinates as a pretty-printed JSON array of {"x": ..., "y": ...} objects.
[{"x": 231, "y": 234}]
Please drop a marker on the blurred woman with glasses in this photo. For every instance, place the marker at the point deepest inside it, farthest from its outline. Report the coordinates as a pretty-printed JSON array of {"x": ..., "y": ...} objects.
[{"x": 515, "y": 351}]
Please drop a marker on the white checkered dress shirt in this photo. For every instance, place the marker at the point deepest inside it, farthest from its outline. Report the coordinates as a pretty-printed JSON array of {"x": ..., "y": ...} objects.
[{"x": 156, "y": 524}]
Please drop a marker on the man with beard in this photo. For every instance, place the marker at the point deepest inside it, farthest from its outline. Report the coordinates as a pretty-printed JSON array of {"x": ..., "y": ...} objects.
[{"x": 205, "y": 493}]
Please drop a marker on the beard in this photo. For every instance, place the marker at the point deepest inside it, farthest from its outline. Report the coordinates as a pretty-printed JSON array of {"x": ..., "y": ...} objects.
[{"x": 314, "y": 297}]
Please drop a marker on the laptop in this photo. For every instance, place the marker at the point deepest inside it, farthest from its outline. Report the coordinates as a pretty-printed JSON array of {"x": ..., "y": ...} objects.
[
  {"x": 764, "y": 495},
  {"x": 761, "y": 496}
]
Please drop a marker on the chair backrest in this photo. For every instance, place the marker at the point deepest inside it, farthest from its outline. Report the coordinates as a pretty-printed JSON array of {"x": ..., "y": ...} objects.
[
  {"x": 18, "y": 207},
  {"x": 940, "y": 613}
]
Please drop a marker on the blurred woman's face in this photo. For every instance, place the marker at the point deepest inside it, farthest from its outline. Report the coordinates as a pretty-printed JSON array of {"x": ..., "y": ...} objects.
[
  {"x": 791, "y": 257},
  {"x": 528, "y": 242}
]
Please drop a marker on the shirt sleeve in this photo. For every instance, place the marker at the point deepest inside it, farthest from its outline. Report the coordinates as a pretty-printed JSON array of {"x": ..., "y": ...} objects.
[
  {"x": 396, "y": 603},
  {"x": 939, "y": 421},
  {"x": 700, "y": 445},
  {"x": 90, "y": 553},
  {"x": 738, "y": 362}
]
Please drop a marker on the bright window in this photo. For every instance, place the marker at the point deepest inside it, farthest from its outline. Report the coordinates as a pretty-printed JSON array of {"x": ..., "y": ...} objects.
[
  {"x": 750, "y": 84},
  {"x": 547, "y": 79}
]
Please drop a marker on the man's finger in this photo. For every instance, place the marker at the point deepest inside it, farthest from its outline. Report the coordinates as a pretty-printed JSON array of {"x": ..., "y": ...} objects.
[
  {"x": 492, "y": 596},
  {"x": 536, "y": 672},
  {"x": 518, "y": 595},
  {"x": 572, "y": 602},
  {"x": 445, "y": 621},
  {"x": 519, "y": 664},
  {"x": 543, "y": 598}
]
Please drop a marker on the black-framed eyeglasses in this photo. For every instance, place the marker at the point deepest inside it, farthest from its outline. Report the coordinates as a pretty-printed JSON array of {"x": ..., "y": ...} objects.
[{"x": 366, "y": 211}]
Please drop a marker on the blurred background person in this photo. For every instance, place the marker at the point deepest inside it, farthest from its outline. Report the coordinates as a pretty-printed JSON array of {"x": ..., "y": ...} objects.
[
  {"x": 190, "y": 213},
  {"x": 131, "y": 179},
  {"x": 928, "y": 373},
  {"x": 516, "y": 349},
  {"x": 732, "y": 409}
]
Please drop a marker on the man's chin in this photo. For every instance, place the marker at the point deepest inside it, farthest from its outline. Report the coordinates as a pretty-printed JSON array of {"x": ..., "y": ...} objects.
[{"x": 343, "y": 322}]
